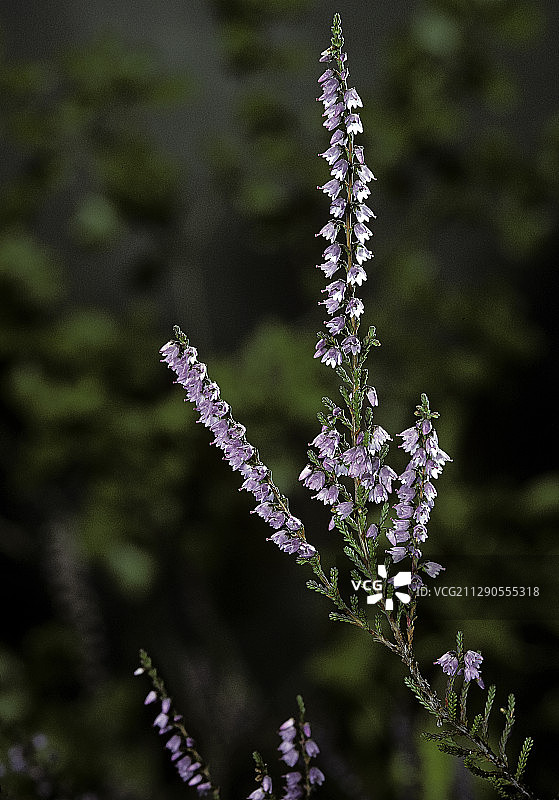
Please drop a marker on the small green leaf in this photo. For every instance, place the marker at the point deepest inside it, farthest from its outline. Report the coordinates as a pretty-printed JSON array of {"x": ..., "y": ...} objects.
[{"x": 523, "y": 757}]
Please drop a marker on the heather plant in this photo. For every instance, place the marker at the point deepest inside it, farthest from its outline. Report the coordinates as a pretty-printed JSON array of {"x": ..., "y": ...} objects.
[{"x": 381, "y": 518}]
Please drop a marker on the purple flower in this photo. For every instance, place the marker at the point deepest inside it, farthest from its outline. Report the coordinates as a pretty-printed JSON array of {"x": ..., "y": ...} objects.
[
  {"x": 161, "y": 721},
  {"x": 332, "y": 109},
  {"x": 343, "y": 510},
  {"x": 332, "y": 357},
  {"x": 365, "y": 174},
  {"x": 336, "y": 324},
  {"x": 332, "y": 188},
  {"x": 357, "y": 460},
  {"x": 306, "y": 550},
  {"x": 472, "y": 662},
  {"x": 326, "y": 442},
  {"x": 397, "y": 553},
  {"x": 293, "y": 789},
  {"x": 314, "y": 480},
  {"x": 352, "y": 99},
  {"x": 386, "y": 476},
  {"x": 431, "y": 567},
  {"x": 448, "y": 662},
  {"x": 429, "y": 491},
  {"x": 329, "y": 268},
  {"x": 328, "y": 98},
  {"x": 293, "y": 545},
  {"x": 396, "y": 537},
  {"x": 336, "y": 289},
  {"x": 329, "y": 231},
  {"x": 353, "y": 123},
  {"x": 333, "y": 252},
  {"x": 312, "y": 748},
  {"x": 332, "y": 123},
  {"x": 184, "y": 767},
  {"x": 331, "y": 85},
  {"x": 339, "y": 170},
  {"x": 332, "y": 154},
  {"x": 362, "y": 233},
  {"x": 363, "y": 213},
  {"x": 420, "y": 535},
  {"x": 360, "y": 191},
  {"x": 293, "y": 523},
  {"x": 410, "y": 438},
  {"x": 281, "y": 538},
  {"x": 362, "y": 254},
  {"x": 371, "y": 532},
  {"x": 320, "y": 348},
  {"x": 316, "y": 776},
  {"x": 338, "y": 137},
  {"x": 291, "y": 756},
  {"x": 338, "y": 207},
  {"x": 421, "y": 514},
  {"x": 359, "y": 154},
  {"x": 264, "y": 510},
  {"x": 328, "y": 494},
  {"x": 379, "y": 437},
  {"x": 356, "y": 275},
  {"x": 351, "y": 344},
  {"x": 174, "y": 743},
  {"x": 379, "y": 494},
  {"x": 277, "y": 520},
  {"x": 296, "y": 741},
  {"x": 331, "y": 304},
  {"x": 355, "y": 307}
]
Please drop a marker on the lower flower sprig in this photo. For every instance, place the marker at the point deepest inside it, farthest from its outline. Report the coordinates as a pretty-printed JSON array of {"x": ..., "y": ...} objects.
[
  {"x": 297, "y": 749},
  {"x": 181, "y": 746}
]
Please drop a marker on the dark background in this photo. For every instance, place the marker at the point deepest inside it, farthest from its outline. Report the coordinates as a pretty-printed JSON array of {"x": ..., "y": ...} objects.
[{"x": 159, "y": 167}]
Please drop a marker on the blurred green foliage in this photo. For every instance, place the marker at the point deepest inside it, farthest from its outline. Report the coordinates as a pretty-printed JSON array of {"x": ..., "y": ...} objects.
[{"x": 120, "y": 528}]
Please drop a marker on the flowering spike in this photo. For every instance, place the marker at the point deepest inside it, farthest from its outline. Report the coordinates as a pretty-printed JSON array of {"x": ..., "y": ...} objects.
[
  {"x": 417, "y": 492},
  {"x": 350, "y": 470},
  {"x": 182, "y": 748},
  {"x": 297, "y": 748},
  {"x": 229, "y": 436}
]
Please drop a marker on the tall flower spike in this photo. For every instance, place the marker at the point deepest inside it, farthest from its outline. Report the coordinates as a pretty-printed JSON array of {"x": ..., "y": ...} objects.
[
  {"x": 357, "y": 455},
  {"x": 348, "y": 186},
  {"x": 417, "y": 492},
  {"x": 229, "y": 436}
]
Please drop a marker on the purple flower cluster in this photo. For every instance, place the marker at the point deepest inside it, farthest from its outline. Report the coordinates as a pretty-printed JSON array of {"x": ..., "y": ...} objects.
[
  {"x": 297, "y": 748},
  {"x": 417, "y": 493},
  {"x": 340, "y": 346},
  {"x": 263, "y": 791},
  {"x": 181, "y": 746},
  {"x": 337, "y": 459},
  {"x": 347, "y": 190},
  {"x": 450, "y": 664},
  {"x": 229, "y": 436}
]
